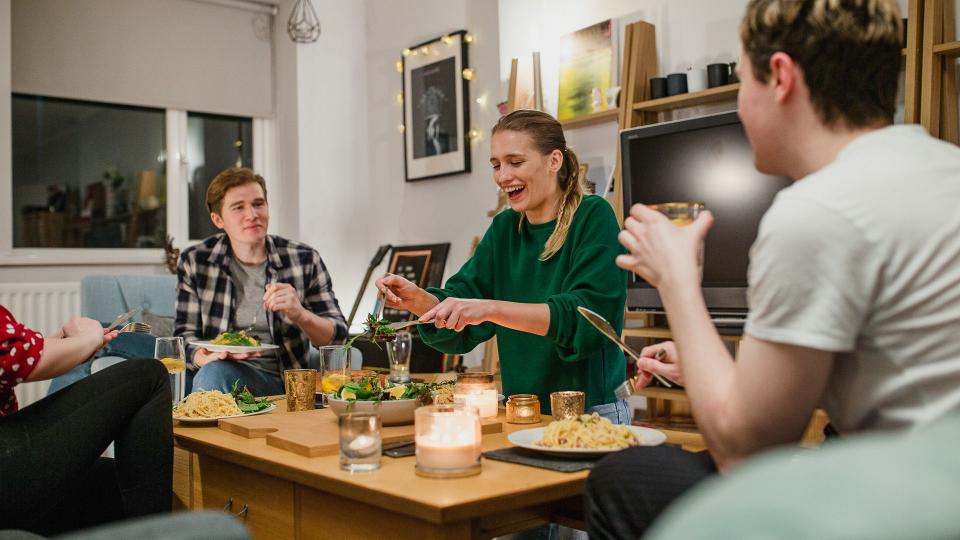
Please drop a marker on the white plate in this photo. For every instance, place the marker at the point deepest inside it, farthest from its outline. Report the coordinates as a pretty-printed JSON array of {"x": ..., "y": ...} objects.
[
  {"x": 213, "y": 347},
  {"x": 214, "y": 419},
  {"x": 527, "y": 438}
]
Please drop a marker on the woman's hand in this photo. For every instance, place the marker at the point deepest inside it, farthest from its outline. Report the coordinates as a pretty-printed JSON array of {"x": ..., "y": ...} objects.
[
  {"x": 400, "y": 293},
  {"x": 660, "y": 251},
  {"x": 661, "y": 359},
  {"x": 458, "y": 313},
  {"x": 86, "y": 330}
]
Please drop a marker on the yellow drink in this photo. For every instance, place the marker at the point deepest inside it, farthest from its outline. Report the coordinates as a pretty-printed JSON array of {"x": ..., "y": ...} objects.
[
  {"x": 174, "y": 365},
  {"x": 332, "y": 382}
]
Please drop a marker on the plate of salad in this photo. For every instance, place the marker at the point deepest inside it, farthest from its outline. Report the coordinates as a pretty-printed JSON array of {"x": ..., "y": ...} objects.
[
  {"x": 394, "y": 402},
  {"x": 235, "y": 341}
]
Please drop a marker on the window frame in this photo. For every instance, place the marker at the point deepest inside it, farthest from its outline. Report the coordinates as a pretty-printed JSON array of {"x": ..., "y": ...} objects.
[{"x": 177, "y": 214}]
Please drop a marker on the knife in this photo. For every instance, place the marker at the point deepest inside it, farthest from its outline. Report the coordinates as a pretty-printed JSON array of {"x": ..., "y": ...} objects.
[
  {"x": 121, "y": 319},
  {"x": 604, "y": 327}
]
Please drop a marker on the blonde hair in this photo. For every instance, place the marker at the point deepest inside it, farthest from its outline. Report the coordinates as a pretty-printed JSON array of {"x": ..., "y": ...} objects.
[
  {"x": 547, "y": 136},
  {"x": 849, "y": 51}
]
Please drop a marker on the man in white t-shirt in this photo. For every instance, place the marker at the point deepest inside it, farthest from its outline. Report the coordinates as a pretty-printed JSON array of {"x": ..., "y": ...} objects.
[{"x": 854, "y": 279}]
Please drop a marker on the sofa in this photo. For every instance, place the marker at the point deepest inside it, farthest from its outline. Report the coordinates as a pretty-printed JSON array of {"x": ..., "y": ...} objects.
[{"x": 104, "y": 297}]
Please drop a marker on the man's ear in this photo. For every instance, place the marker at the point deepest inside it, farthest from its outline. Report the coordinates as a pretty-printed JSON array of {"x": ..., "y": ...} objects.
[
  {"x": 784, "y": 75},
  {"x": 217, "y": 220}
]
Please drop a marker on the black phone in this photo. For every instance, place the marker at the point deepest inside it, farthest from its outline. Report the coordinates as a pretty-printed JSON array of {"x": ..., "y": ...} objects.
[{"x": 400, "y": 450}]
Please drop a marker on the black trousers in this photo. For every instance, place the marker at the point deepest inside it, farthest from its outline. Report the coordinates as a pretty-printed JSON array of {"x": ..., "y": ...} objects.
[
  {"x": 52, "y": 478},
  {"x": 626, "y": 491}
]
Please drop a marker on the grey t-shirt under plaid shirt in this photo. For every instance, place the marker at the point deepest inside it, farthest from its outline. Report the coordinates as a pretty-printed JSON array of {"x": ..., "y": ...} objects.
[{"x": 207, "y": 297}]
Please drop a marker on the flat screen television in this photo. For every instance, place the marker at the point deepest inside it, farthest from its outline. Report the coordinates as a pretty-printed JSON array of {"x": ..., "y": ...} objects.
[{"x": 706, "y": 159}]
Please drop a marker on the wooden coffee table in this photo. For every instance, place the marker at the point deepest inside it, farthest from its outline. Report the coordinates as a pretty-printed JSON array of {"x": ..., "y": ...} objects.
[{"x": 281, "y": 494}]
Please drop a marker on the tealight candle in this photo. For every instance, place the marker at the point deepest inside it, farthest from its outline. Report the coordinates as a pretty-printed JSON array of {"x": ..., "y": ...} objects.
[
  {"x": 523, "y": 409},
  {"x": 479, "y": 390},
  {"x": 448, "y": 441}
]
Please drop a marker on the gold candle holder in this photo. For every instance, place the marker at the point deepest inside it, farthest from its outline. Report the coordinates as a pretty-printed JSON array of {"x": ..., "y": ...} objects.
[
  {"x": 566, "y": 404},
  {"x": 301, "y": 387},
  {"x": 523, "y": 409}
]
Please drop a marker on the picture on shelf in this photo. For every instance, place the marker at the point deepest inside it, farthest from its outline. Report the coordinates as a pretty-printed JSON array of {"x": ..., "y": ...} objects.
[
  {"x": 435, "y": 115},
  {"x": 586, "y": 71}
]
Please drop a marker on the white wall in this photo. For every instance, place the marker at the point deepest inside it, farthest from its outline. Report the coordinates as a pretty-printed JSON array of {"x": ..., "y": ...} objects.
[
  {"x": 449, "y": 209},
  {"x": 333, "y": 145}
]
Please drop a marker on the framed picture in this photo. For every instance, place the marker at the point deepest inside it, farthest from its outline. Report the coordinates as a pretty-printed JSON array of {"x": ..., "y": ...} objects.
[
  {"x": 436, "y": 114},
  {"x": 587, "y": 61},
  {"x": 421, "y": 264}
]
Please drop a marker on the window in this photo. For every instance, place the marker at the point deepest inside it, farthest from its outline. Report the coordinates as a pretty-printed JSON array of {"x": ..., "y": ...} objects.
[
  {"x": 87, "y": 174},
  {"x": 99, "y": 175},
  {"x": 214, "y": 143}
]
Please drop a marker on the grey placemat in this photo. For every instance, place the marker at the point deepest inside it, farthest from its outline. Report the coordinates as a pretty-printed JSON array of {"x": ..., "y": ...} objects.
[{"x": 536, "y": 459}]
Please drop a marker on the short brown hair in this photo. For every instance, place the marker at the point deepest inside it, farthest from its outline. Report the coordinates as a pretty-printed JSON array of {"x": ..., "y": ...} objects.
[
  {"x": 547, "y": 135},
  {"x": 231, "y": 178},
  {"x": 849, "y": 51}
]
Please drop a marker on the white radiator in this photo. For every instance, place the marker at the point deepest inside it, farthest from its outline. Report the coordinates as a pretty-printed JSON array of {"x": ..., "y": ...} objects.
[{"x": 44, "y": 307}]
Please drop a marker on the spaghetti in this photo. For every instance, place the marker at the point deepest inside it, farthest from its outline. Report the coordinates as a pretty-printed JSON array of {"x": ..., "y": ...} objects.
[
  {"x": 206, "y": 404},
  {"x": 588, "y": 431}
]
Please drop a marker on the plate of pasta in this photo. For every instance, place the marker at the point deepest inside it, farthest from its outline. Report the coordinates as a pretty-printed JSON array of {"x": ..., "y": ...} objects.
[
  {"x": 584, "y": 436},
  {"x": 205, "y": 406}
]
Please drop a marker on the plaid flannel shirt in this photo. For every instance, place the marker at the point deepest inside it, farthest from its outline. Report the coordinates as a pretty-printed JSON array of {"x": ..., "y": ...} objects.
[{"x": 206, "y": 304}]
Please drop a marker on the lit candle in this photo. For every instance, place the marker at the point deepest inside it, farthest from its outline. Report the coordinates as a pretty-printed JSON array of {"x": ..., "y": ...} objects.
[
  {"x": 485, "y": 400},
  {"x": 477, "y": 389},
  {"x": 448, "y": 441}
]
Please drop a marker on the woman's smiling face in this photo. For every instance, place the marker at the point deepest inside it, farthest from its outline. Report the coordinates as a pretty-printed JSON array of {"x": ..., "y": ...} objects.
[{"x": 528, "y": 177}]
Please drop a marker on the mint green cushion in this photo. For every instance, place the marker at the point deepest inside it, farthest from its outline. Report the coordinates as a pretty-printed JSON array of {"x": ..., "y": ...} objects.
[{"x": 889, "y": 486}]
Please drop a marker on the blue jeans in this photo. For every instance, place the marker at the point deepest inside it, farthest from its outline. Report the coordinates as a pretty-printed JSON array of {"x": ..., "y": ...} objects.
[
  {"x": 221, "y": 374},
  {"x": 618, "y": 412}
]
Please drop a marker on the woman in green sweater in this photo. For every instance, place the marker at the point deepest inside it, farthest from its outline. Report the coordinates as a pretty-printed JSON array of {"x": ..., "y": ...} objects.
[{"x": 552, "y": 251}]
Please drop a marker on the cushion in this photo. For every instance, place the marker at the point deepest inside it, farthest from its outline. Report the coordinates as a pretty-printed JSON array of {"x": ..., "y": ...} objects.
[{"x": 160, "y": 326}]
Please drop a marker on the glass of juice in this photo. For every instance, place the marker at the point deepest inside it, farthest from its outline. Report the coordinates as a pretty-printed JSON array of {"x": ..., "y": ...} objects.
[
  {"x": 169, "y": 350},
  {"x": 682, "y": 214}
]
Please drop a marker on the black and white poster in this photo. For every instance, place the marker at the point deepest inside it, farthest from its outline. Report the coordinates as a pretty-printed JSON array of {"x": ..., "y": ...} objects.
[{"x": 436, "y": 112}]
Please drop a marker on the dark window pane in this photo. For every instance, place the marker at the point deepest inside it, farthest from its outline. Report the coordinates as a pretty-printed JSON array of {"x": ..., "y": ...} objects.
[
  {"x": 87, "y": 174},
  {"x": 214, "y": 143}
]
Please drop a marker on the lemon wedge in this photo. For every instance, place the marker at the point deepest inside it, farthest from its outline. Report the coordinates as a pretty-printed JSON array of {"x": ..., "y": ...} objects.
[
  {"x": 348, "y": 394},
  {"x": 397, "y": 391},
  {"x": 331, "y": 383}
]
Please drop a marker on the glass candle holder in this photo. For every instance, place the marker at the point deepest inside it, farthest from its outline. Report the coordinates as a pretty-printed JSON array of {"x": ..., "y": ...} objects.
[
  {"x": 300, "y": 386},
  {"x": 523, "y": 409},
  {"x": 568, "y": 404},
  {"x": 360, "y": 441},
  {"x": 477, "y": 389},
  {"x": 448, "y": 441}
]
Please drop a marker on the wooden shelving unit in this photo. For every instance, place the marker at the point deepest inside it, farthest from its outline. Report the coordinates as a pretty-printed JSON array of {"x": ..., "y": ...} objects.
[
  {"x": 591, "y": 119},
  {"x": 948, "y": 50},
  {"x": 711, "y": 95}
]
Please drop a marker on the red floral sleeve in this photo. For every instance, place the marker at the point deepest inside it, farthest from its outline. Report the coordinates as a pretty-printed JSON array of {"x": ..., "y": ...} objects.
[{"x": 20, "y": 349}]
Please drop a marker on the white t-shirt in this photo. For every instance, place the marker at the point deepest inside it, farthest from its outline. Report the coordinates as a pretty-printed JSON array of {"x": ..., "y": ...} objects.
[{"x": 863, "y": 258}]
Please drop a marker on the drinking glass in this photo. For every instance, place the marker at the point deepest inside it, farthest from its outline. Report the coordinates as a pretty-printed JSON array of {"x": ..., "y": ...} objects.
[
  {"x": 398, "y": 351},
  {"x": 169, "y": 350},
  {"x": 360, "y": 442},
  {"x": 334, "y": 368},
  {"x": 682, "y": 214}
]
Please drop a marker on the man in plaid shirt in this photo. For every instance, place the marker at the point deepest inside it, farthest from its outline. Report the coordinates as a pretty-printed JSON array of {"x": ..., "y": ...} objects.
[{"x": 243, "y": 278}]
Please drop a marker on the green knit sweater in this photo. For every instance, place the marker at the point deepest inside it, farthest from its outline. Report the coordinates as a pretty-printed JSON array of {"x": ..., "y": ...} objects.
[{"x": 506, "y": 266}]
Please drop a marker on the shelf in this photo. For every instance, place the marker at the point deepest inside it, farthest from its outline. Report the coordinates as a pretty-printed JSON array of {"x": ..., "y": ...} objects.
[
  {"x": 590, "y": 119},
  {"x": 710, "y": 95},
  {"x": 950, "y": 49}
]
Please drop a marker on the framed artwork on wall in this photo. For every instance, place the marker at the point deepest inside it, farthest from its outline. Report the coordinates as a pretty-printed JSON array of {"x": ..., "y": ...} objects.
[{"x": 436, "y": 111}]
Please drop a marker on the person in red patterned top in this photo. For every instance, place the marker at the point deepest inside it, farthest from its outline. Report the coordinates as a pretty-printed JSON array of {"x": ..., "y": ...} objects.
[{"x": 52, "y": 476}]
